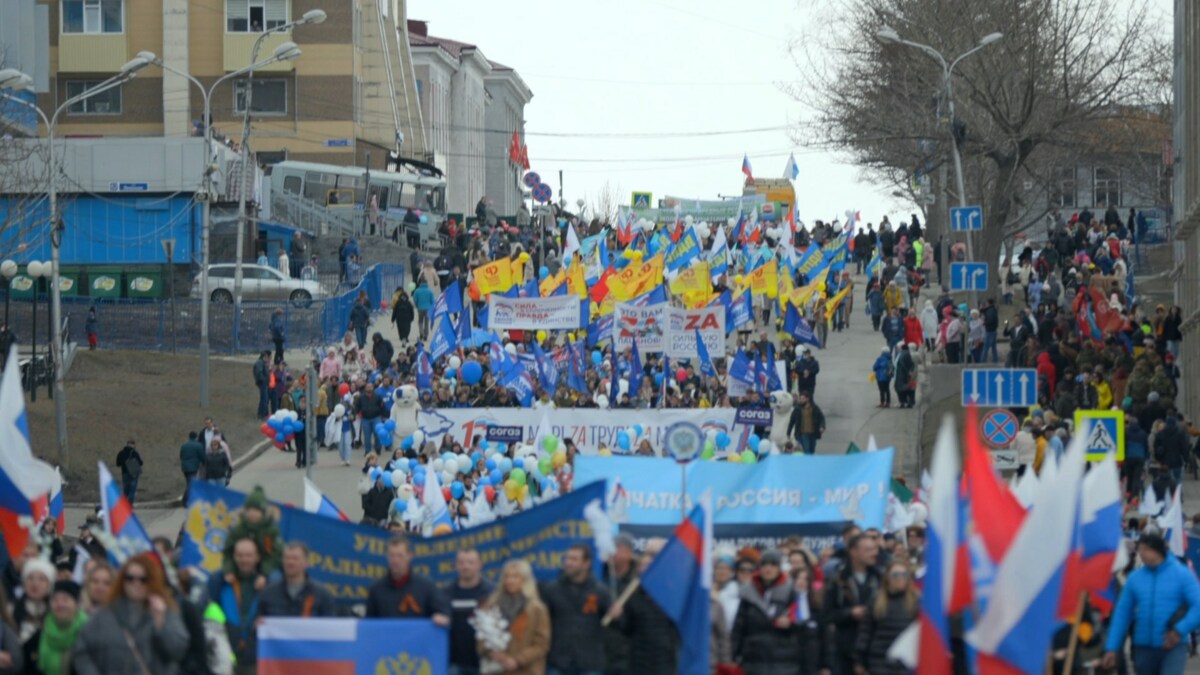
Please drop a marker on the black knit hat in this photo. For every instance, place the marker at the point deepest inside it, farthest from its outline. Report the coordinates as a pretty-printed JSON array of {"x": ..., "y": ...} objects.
[
  {"x": 67, "y": 586},
  {"x": 1154, "y": 542}
]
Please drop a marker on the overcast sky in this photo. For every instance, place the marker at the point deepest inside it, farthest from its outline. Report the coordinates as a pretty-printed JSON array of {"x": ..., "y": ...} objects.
[{"x": 698, "y": 69}]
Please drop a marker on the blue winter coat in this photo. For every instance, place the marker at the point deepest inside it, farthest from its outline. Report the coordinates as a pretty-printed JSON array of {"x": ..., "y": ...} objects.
[
  {"x": 1150, "y": 597},
  {"x": 883, "y": 368}
]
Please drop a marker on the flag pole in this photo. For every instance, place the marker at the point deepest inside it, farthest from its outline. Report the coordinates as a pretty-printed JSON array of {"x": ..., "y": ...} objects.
[
  {"x": 620, "y": 601},
  {"x": 1073, "y": 642}
]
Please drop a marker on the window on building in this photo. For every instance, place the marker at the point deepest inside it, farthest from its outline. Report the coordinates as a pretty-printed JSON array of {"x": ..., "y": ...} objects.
[
  {"x": 255, "y": 16},
  {"x": 270, "y": 97},
  {"x": 1108, "y": 187},
  {"x": 1063, "y": 187},
  {"x": 105, "y": 103},
  {"x": 93, "y": 16}
]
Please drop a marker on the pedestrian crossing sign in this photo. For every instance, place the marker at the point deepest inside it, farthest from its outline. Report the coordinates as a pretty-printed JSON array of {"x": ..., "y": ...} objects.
[
  {"x": 1104, "y": 431},
  {"x": 641, "y": 200}
]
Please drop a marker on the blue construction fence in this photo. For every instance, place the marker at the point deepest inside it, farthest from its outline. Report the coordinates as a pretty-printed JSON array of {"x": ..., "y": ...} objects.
[{"x": 163, "y": 325}]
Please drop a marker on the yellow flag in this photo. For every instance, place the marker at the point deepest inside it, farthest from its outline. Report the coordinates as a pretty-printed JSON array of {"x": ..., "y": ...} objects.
[
  {"x": 801, "y": 295},
  {"x": 636, "y": 279},
  {"x": 494, "y": 277},
  {"x": 831, "y": 305},
  {"x": 765, "y": 280},
  {"x": 518, "y": 272},
  {"x": 692, "y": 280},
  {"x": 552, "y": 282},
  {"x": 786, "y": 285},
  {"x": 576, "y": 282}
]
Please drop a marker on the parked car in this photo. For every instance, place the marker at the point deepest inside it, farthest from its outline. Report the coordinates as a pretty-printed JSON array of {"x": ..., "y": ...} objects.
[{"x": 259, "y": 283}]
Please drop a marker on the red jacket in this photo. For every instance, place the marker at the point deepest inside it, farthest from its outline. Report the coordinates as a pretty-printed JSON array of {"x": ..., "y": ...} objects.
[{"x": 912, "y": 330}]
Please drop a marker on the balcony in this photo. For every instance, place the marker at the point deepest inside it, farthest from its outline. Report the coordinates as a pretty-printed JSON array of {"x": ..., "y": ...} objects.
[{"x": 92, "y": 53}]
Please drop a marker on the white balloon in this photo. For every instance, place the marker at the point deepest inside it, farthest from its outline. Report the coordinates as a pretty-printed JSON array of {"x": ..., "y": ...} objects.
[
  {"x": 418, "y": 437},
  {"x": 455, "y": 362},
  {"x": 406, "y": 492},
  {"x": 437, "y": 464},
  {"x": 601, "y": 400},
  {"x": 511, "y": 349},
  {"x": 447, "y": 478},
  {"x": 648, "y": 225},
  {"x": 398, "y": 477},
  {"x": 688, "y": 220},
  {"x": 622, "y": 386},
  {"x": 731, "y": 221},
  {"x": 464, "y": 464},
  {"x": 339, "y": 410},
  {"x": 293, "y": 415}
]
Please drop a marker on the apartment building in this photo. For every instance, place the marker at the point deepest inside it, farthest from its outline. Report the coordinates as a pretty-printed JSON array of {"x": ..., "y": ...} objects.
[{"x": 351, "y": 92}]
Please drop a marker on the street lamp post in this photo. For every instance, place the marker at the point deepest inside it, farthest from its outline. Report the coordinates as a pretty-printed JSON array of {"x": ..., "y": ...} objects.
[
  {"x": 8, "y": 270},
  {"x": 36, "y": 269},
  {"x": 284, "y": 52},
  {"x": 16, "y": 80},
  {"x": 312, "y": 16},
  {"x": 888, "y": 34}
]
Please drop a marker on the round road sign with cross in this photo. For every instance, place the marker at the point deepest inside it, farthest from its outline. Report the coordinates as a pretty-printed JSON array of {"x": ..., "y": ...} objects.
[
  {"x": 532, "y": 180},
  {"x": 999, "y": 428},
  {"x": 543, "y": 193}
]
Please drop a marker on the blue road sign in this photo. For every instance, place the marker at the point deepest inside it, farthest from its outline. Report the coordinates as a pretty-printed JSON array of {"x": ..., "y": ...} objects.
[
  {"x": 531, "y": 179},
  {"x": 999, "y": 428},
  {"x": 966, "y": 218},
  {"x": 999, "y": 387},
  {"x": 543, "y": 193},
  {"x": 129, "y": 187},
  {"x": 968, "y": 276}
]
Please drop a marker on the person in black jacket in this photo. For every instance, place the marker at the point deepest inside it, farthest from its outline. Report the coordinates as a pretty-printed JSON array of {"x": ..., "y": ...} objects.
[
  {"x": 403, "y": 594},
  {"x": 403, "y": 314},
  {"x": 278, "y": 333},
  {"x": 382, "y": 351},
  {"x": 296, "y": 594},
  {"x": 577, "y": 602},
  {"x": 807, "y": 423},
  {"x": 1171, "y": 448},
  {"x": 360, "y": 319},
  {"x": 847, "y": 594},
  {"x": 130, "y": 463},
  {"x": 654, "y": 640},
  {"x": 262, "y": 378},
  {"x": 377, "y": 501},
  {"x": 191, "y": 458},
  {"x": 763, "y": 638},
  {"x": 807, "y": 367},
  {"x": 889, "y": 613}
]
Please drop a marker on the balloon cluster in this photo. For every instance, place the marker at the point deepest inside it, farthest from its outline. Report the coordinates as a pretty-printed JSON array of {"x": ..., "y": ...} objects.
[
  {"x": 384, "y": 431},
  {"x": 282, "y": 427}
]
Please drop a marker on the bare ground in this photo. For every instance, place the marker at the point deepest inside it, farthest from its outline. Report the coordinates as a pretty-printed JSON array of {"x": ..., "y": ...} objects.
[{"x": 152, "y": 397}]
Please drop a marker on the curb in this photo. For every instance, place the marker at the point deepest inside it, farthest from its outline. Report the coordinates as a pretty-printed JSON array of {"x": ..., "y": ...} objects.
[{"x": 254, "y": 453}]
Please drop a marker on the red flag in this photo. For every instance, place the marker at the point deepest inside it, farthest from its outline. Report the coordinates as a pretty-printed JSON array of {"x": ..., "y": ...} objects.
[
  {"x": 525, "y": 157},
  {"x": 514, "y": 148},
  {"x": 995, "y": 511},
  {"x": 599, "y": 290},
  {"x": 1107, "y": 318}
]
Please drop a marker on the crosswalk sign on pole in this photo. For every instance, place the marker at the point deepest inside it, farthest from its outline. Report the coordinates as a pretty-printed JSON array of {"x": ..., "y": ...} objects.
[
  {"x": 1104, "y": 431},
  {"x": 641, "y": 200}
]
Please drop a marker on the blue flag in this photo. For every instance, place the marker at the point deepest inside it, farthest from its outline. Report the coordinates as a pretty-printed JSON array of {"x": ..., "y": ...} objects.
[
  {"x": 798, "y": 328},
  {"x": 740, "y": 311},
  {"x": 678, "y": 582},
  {"x": 683, "y": 252},
  {"x": 449, "y": 302},
  {"x": 741, "y": 367},
  {"x": 635, "y": 374},
  {"x": 481, "y": 317},
  {"x": 546, "y": 372},
  {"x": 707, "y": 368},
  {"x": 464, "y": 328},
  {"x": 652, "y": 297},
  {"x": 614, "y": 388},
  {"x": 517, "y": 380},
  {"x": 873, "y": 264},
  {"x": 773, "y": 383},
  {"x": 576, "y": 369},
  {"x": 424, "y": 369},
  {"x": 666, "y": 372},
  {"x": 599, "y": 330},
  {"x": 444, "y": 338}
]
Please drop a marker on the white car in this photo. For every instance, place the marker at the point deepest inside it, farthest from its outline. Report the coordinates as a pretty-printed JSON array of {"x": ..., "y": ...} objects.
[{"x": 259, "y": 283}]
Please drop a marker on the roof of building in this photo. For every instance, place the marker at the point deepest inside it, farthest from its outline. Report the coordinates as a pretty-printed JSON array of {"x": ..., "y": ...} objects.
[{"x": 418, "y": 36}]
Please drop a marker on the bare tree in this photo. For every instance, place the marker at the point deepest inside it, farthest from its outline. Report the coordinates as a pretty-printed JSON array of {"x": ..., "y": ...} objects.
[
  {"x": 605, "y": 202},
  {"x": 24, "y": 173},
  {"x": 1063, "y": 70}
]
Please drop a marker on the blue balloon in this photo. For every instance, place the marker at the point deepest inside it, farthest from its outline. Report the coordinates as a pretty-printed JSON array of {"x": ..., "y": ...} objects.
[
  {"x": 297, "y": 426},
  {"x": 753, "y": 442},
  {"x": 722, "y": 439},
  {"x": 489, "y": 464},
  {"x": 424, "y": 219},
  {"x": 497, "y": 476},
  {"x": 401, "y": 466},
  {"x": 406, "y": 444},
  {"x": 639, "y": 429},
  {"x": 387, "y": 439},
  {"x": 475, "y": 457},
  {"x": 597, "y": 357},
  {"x": 288, "y": 426},
  {"x": 483, "y": 445},
  {"x": 485, "y": 480},
  {"x": 275, "y": 424},
  {"x": 623, "y": 440},
  {"x": 519, "y": 463},
  {"x": 543, "y": 272},
  {"x": 390, "y": 425},
  {"x": 281, "y": 437},
  {"x": 472, "y": 372},
  {"x": 457, "y": 489},
  {"x": 451, "y": 374},
  {"x": 387, "y": 479},
  {"x": 412, "y": 463},
  {"x": 506, "y": 465},
  {"x": 658, "y": 378}
]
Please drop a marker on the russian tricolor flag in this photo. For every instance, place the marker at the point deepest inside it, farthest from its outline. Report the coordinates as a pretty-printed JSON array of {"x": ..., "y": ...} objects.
[
  {"x": 1015, "y": 631},
  {"x": 746, "y": 168},
  {"x": 679, "y": 580},
  {"x": 316, "y": 502},
  {"x": 120, "y": 522},
  {"x": 1098, "y": 535},
  {"x": 26, "y": 483},
  {"x": 323, "y": 646}
]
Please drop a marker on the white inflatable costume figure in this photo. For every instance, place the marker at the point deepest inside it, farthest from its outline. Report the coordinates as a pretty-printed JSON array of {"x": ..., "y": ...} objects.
[
  {"x": 781, "y": 406},
  {"x": 404, "y": 412}
]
